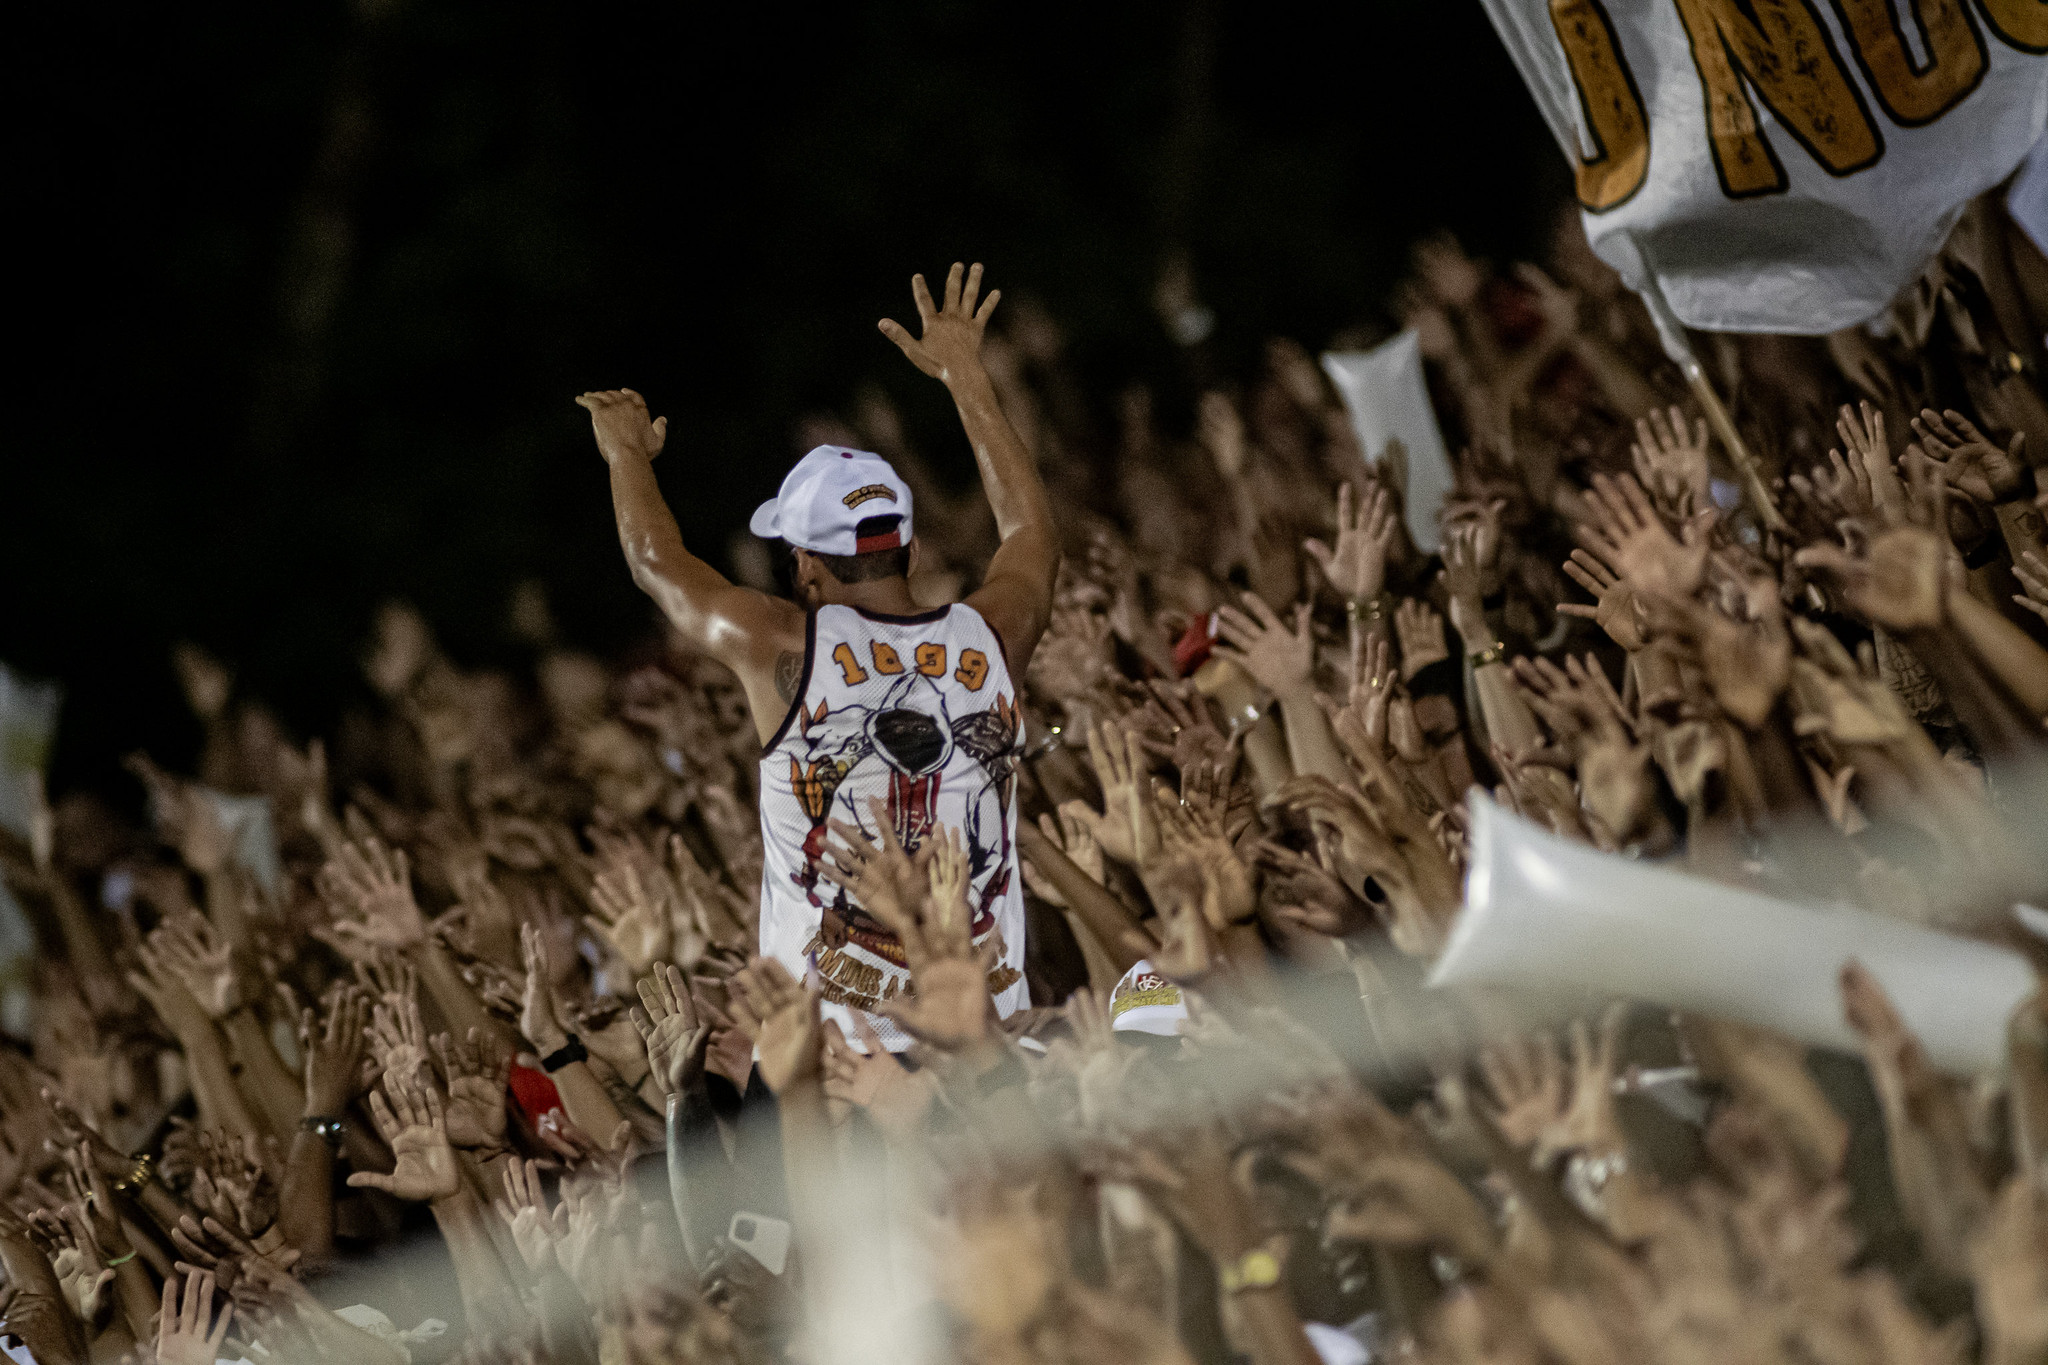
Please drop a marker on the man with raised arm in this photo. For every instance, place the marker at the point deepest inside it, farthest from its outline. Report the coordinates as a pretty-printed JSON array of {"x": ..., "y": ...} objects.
[{"x": 872, "y": 712}]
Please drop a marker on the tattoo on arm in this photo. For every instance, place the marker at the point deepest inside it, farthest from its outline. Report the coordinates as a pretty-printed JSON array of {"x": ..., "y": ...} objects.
[{"x": 789, "y": 674}]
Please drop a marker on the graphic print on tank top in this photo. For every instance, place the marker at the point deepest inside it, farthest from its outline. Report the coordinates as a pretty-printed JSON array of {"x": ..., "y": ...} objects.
[{"x": 921, "y": 713}]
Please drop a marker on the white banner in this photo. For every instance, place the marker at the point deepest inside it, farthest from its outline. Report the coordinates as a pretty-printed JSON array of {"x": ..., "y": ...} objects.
[{"x": 1785, "y": 165}]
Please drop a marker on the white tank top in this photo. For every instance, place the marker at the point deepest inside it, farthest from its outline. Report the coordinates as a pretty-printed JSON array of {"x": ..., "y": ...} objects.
[{"x": 919, "y": 711}]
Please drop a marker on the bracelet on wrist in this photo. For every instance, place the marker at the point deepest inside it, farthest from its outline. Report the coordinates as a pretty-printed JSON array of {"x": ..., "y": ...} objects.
[
  {"x": 328, "y": 1130},
  {"x": 571, "y": 1051},
  {"x": 1492, "y": 654},
  {"x": 138, "y": 1177},
  {"x": 119, "y": 1261},
  {"x": 1366, "y": 610},
  {"x": 1258, "y": 1268}
]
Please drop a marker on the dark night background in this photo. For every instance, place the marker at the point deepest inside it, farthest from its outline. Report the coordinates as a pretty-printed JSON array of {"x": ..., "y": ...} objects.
[{"x": 309, "y": 288}]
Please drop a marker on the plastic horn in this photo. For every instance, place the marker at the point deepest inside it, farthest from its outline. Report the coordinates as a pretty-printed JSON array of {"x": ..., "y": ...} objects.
[{"x": 1543, "y": 912}]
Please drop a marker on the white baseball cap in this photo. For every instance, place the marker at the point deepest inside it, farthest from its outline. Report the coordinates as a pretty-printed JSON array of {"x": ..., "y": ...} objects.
[
  {"x": 1146, "y": 1002},
  {"x": 828, "y": 495}
]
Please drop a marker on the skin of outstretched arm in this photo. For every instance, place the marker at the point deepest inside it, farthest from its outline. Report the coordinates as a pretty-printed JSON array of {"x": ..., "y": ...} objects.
[
  {"x": 2008, "y": 653},
  {"x": 305, "y": 1198},
  {"x": 1098, "y": 909},
  {"x": 1265, "y": 744},
  {"x": 458, "y": 1002},
  {"x": 82, "y": 941},
  {"x": 586, "y": 1101},
  {"x": 1995, "y": 719},
  {"x": 745, "y": 630},
  {"x": 1312, "y": 747},
  {"x": 487, "y": 1291},
  {"x": 213, "y": 1084},
  {"x": 39, "y": 1314},
  {"x": 1016, "y": 595},
  {"x": 688, "y": 1115},
  {"x": 268, "y": 1087},
  {"x": 1620, "y": 381}
]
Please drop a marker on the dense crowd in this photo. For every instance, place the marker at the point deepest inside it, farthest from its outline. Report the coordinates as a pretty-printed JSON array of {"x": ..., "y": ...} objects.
[{"x": 466, "y": 1051}]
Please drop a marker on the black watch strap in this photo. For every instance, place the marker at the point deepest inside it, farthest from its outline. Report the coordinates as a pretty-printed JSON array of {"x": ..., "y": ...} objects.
[{"x": 571, "y": 1051}]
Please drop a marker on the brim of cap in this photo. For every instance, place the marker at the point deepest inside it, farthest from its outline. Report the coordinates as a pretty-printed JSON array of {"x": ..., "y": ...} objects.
[
  {"x": 767, "y": 521},
  {"x": 1162, "y": 1020}
]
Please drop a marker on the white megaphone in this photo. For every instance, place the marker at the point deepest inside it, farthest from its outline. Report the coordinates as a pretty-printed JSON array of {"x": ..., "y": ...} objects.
[{"x": 1543, "y": 912}]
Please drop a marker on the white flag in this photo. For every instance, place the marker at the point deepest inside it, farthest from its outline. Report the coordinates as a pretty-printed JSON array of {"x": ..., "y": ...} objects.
[{"x": 1786, "y": 165}]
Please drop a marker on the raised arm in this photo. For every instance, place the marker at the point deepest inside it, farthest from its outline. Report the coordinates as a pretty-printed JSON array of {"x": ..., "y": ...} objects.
[
  {"x": 1016, "y": 595},
  {"x": 748, "y": 631}
]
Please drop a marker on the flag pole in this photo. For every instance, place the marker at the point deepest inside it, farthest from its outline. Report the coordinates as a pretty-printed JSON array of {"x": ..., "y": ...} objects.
[{"x": 1672, "y": 334}]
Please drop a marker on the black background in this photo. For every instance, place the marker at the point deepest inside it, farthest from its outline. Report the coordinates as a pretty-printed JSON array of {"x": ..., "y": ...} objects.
[{"x": 304, "y": 291}]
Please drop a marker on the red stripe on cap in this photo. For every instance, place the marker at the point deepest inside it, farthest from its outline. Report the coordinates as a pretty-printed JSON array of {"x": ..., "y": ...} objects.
[{"x": 869, "y": 544}]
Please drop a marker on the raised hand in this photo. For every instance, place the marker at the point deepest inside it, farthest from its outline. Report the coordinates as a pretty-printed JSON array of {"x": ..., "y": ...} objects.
[
  {"x": 1278, "y": 658},
  {"x": 950, "y": 348},
  {"x": 1119, "y": 769},
  {"x": 633, "y": 905},
  {"x": 374, "y": 884},
  {"x": 187, "y": 818},
  {"x": 202, "y": 963},
  {"x": 668, "y": 1024},
  {"x": 1624, "y": 531},
  {"x": 951, "y": 1008},
  {"x": 413, "y": 1124},
  {"x": 1183, "y": 714},
  {"x": 1614, "y": 602},
  {"x": 1671, "y": 462},
  {"x": 477, "y": 1074},
  {"x": 870, "y": 1077},
  {"x": 233, "y": 1183},
  {"x": 1968, "y": 458},
  {"x": 1839, "y": 492},
  {"x": 1420, "y": 631},
  {"x": 524, "y": 1208},
  {"x": 1463, "y": 585},
  {"x": 618, "y": 418},
  {"x": 1901, "y": 581},
  {"x": 334, "y": 1053},
  {"x": 1072, "y": 834},
  {"x": 1357, "y": 568},
  {"x": 540, "y": 1013},
  {"x": 1934, "y": 1170},
  {"x": 782, "y": 1018},
  {"x": 397, "y": 1038},
  {"x": 885, "y": 879},
  {"x": 187, "y": 1332},
  {"x": 160, "y": 985},
  {"x": 1862, "y": 432},
  {"x": 1526, "y": 1078},
  {"x": 2032, "y": 573}
]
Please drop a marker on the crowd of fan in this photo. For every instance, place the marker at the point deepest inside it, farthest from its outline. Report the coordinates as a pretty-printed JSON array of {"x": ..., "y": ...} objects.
[{"x": 253, "y": 1085}]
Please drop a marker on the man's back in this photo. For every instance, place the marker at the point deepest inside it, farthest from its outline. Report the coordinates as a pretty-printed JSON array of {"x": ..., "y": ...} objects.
[{"x": 903, "y": 723}]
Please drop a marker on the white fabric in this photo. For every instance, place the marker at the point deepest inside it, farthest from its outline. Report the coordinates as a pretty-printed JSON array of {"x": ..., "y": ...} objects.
[
  {"x": 1809, "y": 248},
  {"x": 1387, "y": 400},
  {"x": 2026, "y": 199},
  {"x": 826, "y": 497},
  {"x": 920, "y": 712},
  {"x": 1335, "y": 1346}
]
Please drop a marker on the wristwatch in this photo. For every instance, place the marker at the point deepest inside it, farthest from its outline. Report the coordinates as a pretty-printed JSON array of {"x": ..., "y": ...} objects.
[{"x": 1256, "y": 1269}]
